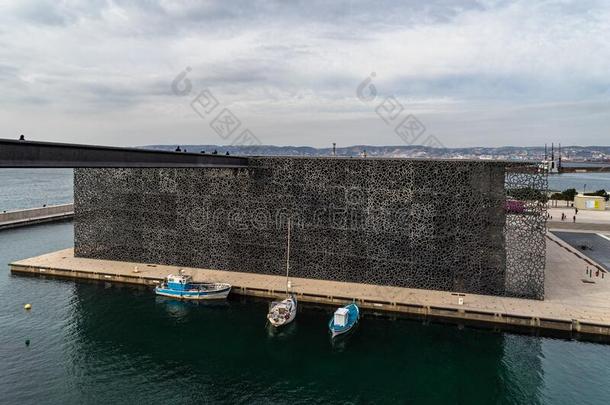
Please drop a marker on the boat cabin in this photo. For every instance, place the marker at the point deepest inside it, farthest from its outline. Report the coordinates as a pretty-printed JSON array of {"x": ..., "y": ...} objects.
[
  {"x": 181, "y": 282},
  {"x": 341, "y": 317}
]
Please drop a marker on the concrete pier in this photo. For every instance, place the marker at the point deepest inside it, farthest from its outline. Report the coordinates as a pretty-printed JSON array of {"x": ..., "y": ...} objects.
[
  {"x": 573, "y": 304},
  {"x": 14, "y": 219}
]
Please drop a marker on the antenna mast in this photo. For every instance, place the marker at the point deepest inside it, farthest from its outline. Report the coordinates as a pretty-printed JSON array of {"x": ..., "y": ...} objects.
[{"x": 288, "y": 257}]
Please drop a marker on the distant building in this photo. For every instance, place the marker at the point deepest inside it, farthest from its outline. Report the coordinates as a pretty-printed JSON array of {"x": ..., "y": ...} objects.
[{"x": 590, "y": 202}]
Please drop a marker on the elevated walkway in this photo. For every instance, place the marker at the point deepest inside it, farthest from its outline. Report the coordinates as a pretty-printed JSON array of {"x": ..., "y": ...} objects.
[{"x": 31, "y": 154}]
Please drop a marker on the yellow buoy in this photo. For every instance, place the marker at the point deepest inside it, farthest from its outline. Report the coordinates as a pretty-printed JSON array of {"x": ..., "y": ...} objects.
[{"x": 27, "y": 306}]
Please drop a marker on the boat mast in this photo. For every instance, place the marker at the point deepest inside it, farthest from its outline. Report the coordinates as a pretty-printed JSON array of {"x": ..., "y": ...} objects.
[{"x": 288, "y": 258}]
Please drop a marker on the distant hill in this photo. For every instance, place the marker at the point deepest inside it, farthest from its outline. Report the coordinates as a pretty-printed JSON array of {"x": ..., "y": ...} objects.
[{"x": 577, "y": 153}]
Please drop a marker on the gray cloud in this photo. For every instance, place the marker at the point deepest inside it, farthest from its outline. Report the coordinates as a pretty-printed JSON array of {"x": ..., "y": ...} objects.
[{"x": 486, "y": 71}]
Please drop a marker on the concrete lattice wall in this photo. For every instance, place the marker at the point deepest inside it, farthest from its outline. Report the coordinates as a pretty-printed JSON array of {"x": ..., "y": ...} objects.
[{"x": 413, "y": 223}]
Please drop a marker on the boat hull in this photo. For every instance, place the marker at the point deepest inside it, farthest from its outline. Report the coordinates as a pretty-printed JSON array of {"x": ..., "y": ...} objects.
[
  {"x": 334, "y": 333},
  {"x": 194, "y": 294},
  {"x": 291, "y": 305},
  {"x": 354, "y": 316}
]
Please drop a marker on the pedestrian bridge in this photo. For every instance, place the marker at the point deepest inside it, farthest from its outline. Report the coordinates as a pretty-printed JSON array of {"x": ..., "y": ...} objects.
[{"x": 22, "y": 153}]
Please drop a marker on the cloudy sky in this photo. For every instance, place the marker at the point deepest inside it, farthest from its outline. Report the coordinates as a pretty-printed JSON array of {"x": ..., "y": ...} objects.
[{"x": 489, "y": 72}]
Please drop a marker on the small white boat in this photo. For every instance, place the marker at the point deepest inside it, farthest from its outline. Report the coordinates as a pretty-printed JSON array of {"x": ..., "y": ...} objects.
[
  {"x": 282, "y": 312},
  {"x": 183, "y": 287}
]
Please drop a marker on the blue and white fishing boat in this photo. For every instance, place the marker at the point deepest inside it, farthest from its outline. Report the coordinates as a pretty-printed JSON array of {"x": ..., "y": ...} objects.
[
  {"x": 344, "y": 319},
  {"x": 183, "y": 287}
]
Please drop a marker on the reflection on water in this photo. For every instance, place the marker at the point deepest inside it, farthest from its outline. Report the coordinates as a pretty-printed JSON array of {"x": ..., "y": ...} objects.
[
  {"x": 281, "y": 333},
  {"x": 180, "y": 309},
  {"x": 341, "y": 342},
  {"x": 100, "y": 343},
  {"x": 176, "y": 309}
]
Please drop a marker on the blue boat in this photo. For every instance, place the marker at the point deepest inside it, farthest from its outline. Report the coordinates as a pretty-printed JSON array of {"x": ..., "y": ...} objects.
[
  {"x": 344, "y": 319},
  {"x": 183, "y": 287}
]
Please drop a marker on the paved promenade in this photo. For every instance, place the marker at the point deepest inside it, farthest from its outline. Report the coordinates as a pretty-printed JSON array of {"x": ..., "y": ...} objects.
[
  {"x": 583, "y": 216},
  {"x": 585, "y": 220},
  {"x": 570, "y": 304}
]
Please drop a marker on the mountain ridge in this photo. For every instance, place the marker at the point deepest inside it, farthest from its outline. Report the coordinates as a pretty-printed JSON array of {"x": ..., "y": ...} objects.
[{"x": 576, "y": 153}]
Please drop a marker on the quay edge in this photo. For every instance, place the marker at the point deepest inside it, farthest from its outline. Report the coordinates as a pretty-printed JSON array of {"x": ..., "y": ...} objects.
[{"x": 435, "y": 307}]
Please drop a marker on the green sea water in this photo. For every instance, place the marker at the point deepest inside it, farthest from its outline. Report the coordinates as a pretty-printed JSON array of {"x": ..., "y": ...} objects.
[{"x": 106, "y": 344}]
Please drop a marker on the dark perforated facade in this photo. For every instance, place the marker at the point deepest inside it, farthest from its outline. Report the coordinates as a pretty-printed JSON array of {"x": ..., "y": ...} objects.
[{"x": 466, "y": 226}]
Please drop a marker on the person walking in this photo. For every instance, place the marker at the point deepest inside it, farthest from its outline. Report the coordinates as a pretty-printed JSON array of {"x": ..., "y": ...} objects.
[{"x": 574, "y": 219}]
